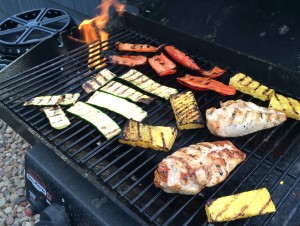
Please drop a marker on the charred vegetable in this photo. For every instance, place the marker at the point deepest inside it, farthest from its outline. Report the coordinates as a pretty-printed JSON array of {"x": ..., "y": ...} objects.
[
  {"x": 242, "y": 205},
  {"x": 200, "y": 83},
  {"x": 142, "y": 48},
  {"x": 99, "y": 80},
  {"x": 101, "y": 121},
  {"x": 247, "y": 85},
  {"x": 186, "y": 111},
  {"x": 289, "y": 106},
  {"x": 188, "y": 62},
  {"x": 121, "y": 90},
  {"x": 159, "y": 138},
  {"x": 130, "y": 61},
  {"x": 162, "y": 65},
  {"x": 57, "y": 117},
  {"x": 145, "y": 83},
  {"x": 65, "y": 99},
  {"x": 119, "y": 105}
]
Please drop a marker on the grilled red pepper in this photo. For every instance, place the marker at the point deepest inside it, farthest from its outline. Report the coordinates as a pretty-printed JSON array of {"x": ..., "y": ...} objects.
[
  {"x": 213, "y": 73},
  {"x": 200, "y": 83},
  {"x": 141, "y": 48},
  {"x": 188, "y": 62},
  {"x": 130, "y": 61},
  {"x": 162, "y": 65}
]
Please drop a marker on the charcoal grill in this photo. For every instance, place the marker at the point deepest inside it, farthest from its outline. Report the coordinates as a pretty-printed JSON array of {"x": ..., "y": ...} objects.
[{"x": 105, "y": 182}]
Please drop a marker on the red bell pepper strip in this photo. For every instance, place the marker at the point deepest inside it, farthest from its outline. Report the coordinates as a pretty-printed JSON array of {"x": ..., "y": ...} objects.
[
  {"x": 200, "y": 83},
  {"x": 130, "y": 61},
  {"x": 188, "y": 62},
  {"x": 141, "y": 48},
  {"x": 213, "y": 73},
  {"x": 162, "y": 65}
]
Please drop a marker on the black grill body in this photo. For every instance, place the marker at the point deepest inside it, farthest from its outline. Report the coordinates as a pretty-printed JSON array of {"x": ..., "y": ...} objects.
[{"x": 125, "y": 174}]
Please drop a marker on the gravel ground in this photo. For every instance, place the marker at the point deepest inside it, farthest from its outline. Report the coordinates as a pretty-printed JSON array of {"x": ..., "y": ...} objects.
[{"x": 12, "y": 181}]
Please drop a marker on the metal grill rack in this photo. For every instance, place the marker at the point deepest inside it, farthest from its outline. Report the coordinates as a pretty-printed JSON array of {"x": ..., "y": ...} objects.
[{"x": 273, "y": 158}]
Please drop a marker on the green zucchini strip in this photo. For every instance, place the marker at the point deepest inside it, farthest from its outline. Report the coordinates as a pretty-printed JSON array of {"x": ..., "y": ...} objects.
[
  {"x": 98, "y": 80},
  {"x": 108, "y": 127},
  {"x": 120, "y": 90},
  {"x": 57, "y": 117},
  {"x": 145, "y": 83},
  {"x": 119, "y": 105},
  {"x": 64, "y": 99}
]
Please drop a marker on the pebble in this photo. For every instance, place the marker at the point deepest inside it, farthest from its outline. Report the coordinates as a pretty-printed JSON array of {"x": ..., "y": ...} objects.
[
  {"x": 12, "y": 182},
  {"x": 20, "y": 199},
  {"x": 8, "y": 210},
  {"x": 25, "y": 146},
  {"x": 2, "y": 202},
  {"x": 10, "y": 220}
]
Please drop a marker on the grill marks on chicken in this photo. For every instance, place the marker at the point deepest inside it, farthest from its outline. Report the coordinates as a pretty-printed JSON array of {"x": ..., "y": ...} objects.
[
  {"x": 190, "y": 169},
  {"x": 238, "y": 118}
]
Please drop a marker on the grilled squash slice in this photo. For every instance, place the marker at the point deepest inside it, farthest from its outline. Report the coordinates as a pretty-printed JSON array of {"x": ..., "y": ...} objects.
[
  {"x": 123, "y": 91},
  {"x": 159, "y": 138},
  {"x": 186, "y": 111},
  {"x": 242, "y": 205},
  {"x": 145, "y": 83},
  {"x": 57, "y": 117},
  {"x": 245, "y": 84},
  {"x": 105, "y": 125},
  {"x": 98, "y": 80},
  {"x": 289, "y": 106},
  {"x": 65, "y": 99},
  {"x": 119, "y": 105}
]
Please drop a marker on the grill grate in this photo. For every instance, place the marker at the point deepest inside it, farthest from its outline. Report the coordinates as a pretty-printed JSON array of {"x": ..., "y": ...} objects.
[{"x": 271, "y": 154}]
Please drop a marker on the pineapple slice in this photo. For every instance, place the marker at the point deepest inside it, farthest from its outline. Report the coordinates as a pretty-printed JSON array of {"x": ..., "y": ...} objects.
[
  {"x": 186, "y": 111},
  {"x": 242, "y": 205},
  {"x": 289, "y": 106},
  {"x": 159, "y": 138},
  {"x": 247, "y": 85}
]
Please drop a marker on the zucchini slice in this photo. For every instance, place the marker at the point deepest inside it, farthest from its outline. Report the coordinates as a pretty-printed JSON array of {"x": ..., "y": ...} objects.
[
  {"x": 64, "y": 99},
  {"x": 119, "y": 105},
  {"x": 108, "y": 127},
  {"x": 98, "y": 80},
  {"x": 121, "y": 90},
  {"x": 57, "y": 117},
  {"x": 143, "y": 82}
]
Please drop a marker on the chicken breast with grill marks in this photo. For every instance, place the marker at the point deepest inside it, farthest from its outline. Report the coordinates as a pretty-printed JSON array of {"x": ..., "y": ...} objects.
[
  {"x": 238, "y": 118},
  {"x": 190, "y": 169}
]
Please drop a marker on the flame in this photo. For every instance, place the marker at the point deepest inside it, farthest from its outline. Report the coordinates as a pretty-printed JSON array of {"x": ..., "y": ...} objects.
[{"x": 92, "y": 29}]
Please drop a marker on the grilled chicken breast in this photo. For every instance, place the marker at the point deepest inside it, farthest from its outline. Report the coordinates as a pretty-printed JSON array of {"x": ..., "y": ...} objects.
[
  {"x": 238, "y": 118},
  {"x": 190, "y": 169}
]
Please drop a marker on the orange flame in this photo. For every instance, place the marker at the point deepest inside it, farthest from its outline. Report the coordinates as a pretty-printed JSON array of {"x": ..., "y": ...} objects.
[{"x": 92, "y": 29}]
